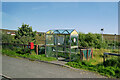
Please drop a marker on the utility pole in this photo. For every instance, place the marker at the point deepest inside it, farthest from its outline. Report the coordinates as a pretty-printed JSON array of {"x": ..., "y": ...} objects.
[{"x": 102, "y": 34}]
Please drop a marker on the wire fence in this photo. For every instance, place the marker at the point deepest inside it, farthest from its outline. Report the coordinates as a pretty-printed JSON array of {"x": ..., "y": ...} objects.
[
  {"x": 23, "y": 48},
  {"x": 40, "y": 49}
]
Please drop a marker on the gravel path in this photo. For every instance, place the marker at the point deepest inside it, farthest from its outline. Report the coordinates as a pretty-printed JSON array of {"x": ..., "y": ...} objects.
[{"x": 23, "y": 68}]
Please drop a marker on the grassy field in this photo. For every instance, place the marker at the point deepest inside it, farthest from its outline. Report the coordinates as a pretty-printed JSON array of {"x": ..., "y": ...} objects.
[
  {"x": 111, "y": 67},
  {"x": 98, "y": 55}
]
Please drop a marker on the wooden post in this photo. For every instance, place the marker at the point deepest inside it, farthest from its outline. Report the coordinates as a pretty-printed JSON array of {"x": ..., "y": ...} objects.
[
  {"x": 92, "y": 53},
  {"x": 24, "y": 48},
  {"x": 81, "y": 54},
  {"x": 36, "y": 49},
  {"x": 87, "y": 54},
  {"x": 103, "y": 58}
]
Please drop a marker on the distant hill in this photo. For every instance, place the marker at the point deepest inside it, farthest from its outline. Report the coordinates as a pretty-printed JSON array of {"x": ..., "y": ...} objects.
[
  {"x": 12, "y": 32},
  {"x": 110, "y": 37}
]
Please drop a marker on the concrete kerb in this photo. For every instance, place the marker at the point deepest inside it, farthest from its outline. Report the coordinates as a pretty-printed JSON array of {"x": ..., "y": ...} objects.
[
  {"x": 63, "y": 65},
  {"x": 45, "y": 62},
  {"x": 8, "y": 78}
]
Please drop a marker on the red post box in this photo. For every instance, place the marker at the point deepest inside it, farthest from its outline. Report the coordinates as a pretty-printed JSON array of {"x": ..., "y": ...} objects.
[{"x": 31, "y": 45}]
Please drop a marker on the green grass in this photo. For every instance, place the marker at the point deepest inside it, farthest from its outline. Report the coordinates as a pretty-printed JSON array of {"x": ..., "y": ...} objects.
[
  {"x": 109, "y": 71},
  {"x": 13, "y": 53},
  {"x": 98, "y": 55},
  {"x": 111, "y": 68}
]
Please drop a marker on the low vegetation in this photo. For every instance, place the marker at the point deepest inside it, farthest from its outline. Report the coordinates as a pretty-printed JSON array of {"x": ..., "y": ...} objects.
[
  {"x": 19, "y": 53},
  {"x": 111, "y": 68}
]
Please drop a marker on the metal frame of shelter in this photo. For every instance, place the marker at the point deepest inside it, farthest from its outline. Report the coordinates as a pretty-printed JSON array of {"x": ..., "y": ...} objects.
[{"x": 61, "y": 41}]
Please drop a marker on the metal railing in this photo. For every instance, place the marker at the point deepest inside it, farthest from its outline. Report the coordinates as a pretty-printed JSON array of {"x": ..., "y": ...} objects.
[{"x": 113, "y": 54}]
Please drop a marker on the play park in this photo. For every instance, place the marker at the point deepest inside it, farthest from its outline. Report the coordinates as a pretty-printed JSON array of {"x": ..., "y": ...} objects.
[{"x": 81, "y": 51}]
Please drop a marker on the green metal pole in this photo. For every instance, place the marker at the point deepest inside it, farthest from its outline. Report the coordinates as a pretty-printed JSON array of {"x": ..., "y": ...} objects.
[
  {"x": 65, "y": 45},
  {"x": 70, "y": 47},
  {"x": 45, "y": 46},
  {"x": 57, "y": 46}
]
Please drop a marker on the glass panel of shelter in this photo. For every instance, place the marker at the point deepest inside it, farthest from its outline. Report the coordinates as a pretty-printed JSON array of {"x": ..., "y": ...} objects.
[
  {"x": 49, "y": 40},
  {"x": 60, "y": 42},
  {"x": 74, "y": 45}
]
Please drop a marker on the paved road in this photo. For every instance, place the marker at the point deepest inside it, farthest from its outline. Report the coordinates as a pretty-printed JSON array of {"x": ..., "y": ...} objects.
[{"x": 23, "y": 68}]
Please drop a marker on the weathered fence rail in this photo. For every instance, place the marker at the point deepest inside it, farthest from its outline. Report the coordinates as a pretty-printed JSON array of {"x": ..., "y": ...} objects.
[
  {"x": 12, "y": 44},
  {"x": 36, "y": 46},
  {"x": 113, "y": 54}
]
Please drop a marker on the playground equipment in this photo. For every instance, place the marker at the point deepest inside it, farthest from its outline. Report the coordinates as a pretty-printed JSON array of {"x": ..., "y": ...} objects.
[
  {"x": 61, "y": 43},
  {"x": 86, "y": 54}
]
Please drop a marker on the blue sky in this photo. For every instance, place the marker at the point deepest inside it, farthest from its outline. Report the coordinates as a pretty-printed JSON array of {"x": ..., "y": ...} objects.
[{"x": 42, "y": 16}]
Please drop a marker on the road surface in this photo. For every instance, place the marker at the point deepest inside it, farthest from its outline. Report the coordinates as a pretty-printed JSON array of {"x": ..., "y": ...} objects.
[{"x": 23, "y": 68}]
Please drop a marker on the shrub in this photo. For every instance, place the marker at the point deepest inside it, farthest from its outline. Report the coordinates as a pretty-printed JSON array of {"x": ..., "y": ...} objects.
[
  {"x": 100, "y": 69},
  {"x": 117, "y": 72},
  {"x": 111, "y": 70},
  {"x": 111, "y": 62},
  {"x": 86, "y": 63},
  {"x": 33, "y": 52},
  {"x": 41, "y": 50},
  {"x": 92, "y": 68}
]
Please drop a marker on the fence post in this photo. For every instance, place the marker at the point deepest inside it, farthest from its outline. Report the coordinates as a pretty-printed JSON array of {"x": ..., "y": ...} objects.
[
  {"x": 103, "y": 58},
  {"x": 24, "y": 48},
  {"x": 37, "y": 49},
  {"x": 87, "y": 54},
  {"x": 81, "y": 54},
  {"x": 75, "y": 50},
  {"x": 92, "y": 53}
]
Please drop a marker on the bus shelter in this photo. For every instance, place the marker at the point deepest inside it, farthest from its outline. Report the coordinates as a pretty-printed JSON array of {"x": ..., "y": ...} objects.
[{"x": 61, "y": 43}]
